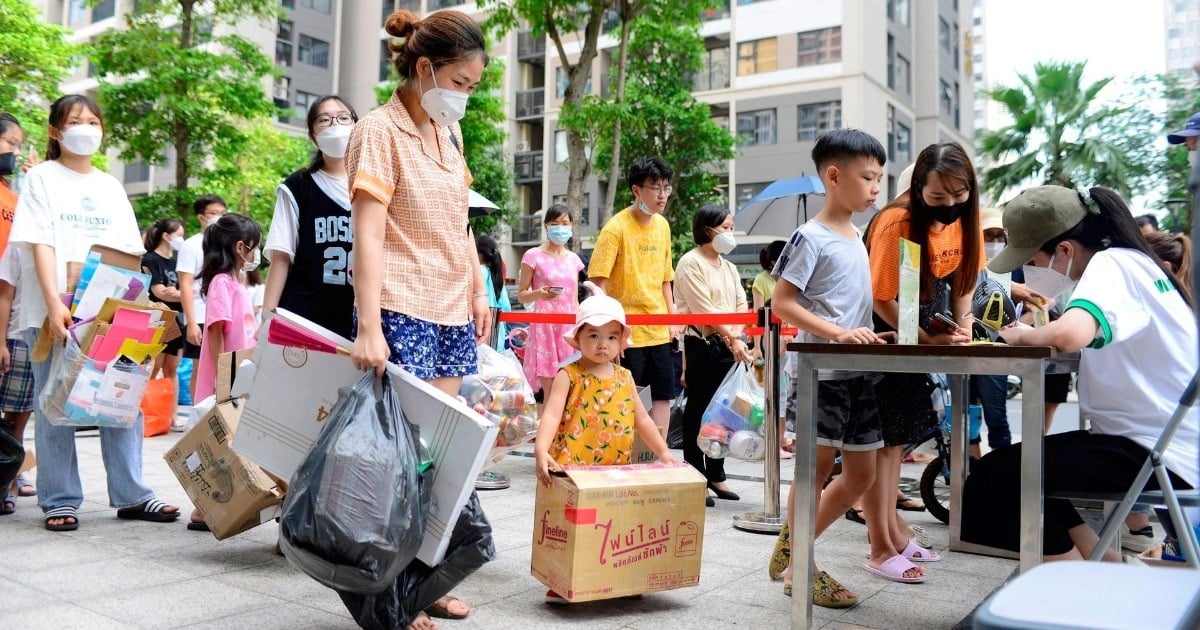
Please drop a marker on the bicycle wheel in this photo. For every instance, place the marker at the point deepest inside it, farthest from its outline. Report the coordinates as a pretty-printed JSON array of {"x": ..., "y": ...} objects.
[{"x": 935, "y": 490}]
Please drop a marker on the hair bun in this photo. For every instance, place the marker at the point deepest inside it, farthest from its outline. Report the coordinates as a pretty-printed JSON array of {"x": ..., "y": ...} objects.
[{"x": 401, "y": 23}]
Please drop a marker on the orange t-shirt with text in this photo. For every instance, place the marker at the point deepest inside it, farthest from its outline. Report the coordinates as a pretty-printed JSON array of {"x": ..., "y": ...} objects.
[
  {"x": 943, "y": 256},
  {"x": 8, "y": 210}
]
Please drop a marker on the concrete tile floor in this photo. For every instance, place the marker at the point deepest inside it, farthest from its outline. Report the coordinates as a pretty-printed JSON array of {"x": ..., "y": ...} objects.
[{"x": 119, "y": 574}]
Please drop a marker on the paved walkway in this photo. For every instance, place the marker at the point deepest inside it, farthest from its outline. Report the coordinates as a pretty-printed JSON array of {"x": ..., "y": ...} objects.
[{"x": 120, "y": 574}]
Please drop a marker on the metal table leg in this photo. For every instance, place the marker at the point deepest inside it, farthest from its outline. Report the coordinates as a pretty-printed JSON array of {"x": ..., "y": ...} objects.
[
  {"x": 1033, "y": 410},
  {"x": 805, "y": 510}
]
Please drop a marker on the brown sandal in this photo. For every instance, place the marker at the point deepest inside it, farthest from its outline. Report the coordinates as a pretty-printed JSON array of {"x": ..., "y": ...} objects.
[{"x": 441, "y": 608}]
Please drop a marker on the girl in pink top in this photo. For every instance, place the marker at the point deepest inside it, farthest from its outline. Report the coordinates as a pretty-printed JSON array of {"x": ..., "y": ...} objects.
[
  {"x": 230, "y": 249},
  {"x": 550, "y": 279}
]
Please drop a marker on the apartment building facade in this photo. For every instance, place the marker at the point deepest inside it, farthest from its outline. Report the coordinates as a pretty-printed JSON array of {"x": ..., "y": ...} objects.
[
  {"x": 1182, "y": 19},
  {"x": 776, "y": 72}
]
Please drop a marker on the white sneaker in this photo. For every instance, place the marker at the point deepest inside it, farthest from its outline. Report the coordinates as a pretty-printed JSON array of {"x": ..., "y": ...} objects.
[{"x": 1141, "y": 540}]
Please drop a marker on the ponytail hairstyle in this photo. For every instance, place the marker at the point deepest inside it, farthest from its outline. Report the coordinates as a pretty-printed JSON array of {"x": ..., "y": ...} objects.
[
  {"x": 1109, "y": 223},
  {"x": 769, "y": 255},
  {"x": 158, "y": 231},
  {"x": 60, "y": 112},
  {"x": 951, "y": 164},
  {"x": 1176, "y": 251},
  {"x": 220, "y": 246},
  {"x": 318, "y": 158},
  {"x": 445, "y": 37},
  {"x": 489, "y": 255}
]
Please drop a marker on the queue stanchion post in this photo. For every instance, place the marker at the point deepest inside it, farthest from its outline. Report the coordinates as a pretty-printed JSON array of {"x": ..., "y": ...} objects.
[
  {"x": 494, "y": 333},
  {"x": 768, "y": 521}
]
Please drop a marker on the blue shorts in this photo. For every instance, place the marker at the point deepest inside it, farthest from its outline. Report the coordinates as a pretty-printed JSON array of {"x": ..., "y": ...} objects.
[{"x": 428, "y": 350}]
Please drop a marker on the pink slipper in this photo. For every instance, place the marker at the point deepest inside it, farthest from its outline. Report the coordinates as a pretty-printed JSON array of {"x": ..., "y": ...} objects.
[
  {"x": 893, "y": 569},
  {"x": 917, "y": 553}
]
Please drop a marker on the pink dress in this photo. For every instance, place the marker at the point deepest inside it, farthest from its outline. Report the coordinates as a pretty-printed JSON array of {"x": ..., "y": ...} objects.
[
  {"x": 545, "y": 349},
  {"x": 227, "y": 301}
]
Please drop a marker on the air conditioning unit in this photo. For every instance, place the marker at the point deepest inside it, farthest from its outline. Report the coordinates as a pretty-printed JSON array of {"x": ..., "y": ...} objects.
[{"x": 522, "y": 146}]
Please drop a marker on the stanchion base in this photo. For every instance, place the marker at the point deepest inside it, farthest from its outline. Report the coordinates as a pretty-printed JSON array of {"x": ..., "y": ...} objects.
[{"x": 758, "y": 522}]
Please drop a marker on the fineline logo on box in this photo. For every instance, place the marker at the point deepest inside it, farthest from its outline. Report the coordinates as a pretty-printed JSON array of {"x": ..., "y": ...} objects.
[
  {"x": 640, "y": 543},
  {"x": 688, "y": 540},
  {"x": 550, "y": 532}
]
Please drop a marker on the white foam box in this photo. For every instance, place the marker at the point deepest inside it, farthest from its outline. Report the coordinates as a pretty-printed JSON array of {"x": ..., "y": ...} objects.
[{"x": 293, "y": 390}]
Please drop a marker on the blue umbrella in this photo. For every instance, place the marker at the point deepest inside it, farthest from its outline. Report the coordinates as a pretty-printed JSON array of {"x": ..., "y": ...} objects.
[{"x": 780, "y": 208}]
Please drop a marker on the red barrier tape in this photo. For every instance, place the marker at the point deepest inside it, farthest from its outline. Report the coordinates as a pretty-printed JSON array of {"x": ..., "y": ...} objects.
[{"x": 676, "y": 319}]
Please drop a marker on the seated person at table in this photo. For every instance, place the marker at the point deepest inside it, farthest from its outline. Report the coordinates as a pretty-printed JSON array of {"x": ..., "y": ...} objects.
[{"x": 1133, "y": 322}]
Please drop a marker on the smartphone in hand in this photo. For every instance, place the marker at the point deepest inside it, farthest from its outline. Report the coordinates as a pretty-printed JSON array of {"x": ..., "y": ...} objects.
[{"x": 943, "y": 324}]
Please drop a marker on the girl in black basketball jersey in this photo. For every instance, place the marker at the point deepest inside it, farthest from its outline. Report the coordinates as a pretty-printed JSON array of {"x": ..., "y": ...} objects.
[{"x": 310, "y": 239}]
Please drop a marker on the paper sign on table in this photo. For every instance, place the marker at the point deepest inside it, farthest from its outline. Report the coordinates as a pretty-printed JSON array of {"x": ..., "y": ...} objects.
[{"x": 910, "y": 292}]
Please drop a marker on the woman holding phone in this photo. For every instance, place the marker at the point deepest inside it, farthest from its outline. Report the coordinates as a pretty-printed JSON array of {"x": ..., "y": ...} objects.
[{"x": 549, "y": 279}]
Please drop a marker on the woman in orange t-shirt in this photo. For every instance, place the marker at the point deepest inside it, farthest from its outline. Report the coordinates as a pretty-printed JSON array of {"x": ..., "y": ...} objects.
[{"x": 940, "y": 213}]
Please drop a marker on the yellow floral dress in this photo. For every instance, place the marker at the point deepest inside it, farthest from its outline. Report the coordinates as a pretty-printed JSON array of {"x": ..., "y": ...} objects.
[{"x": 598, "y": 419}]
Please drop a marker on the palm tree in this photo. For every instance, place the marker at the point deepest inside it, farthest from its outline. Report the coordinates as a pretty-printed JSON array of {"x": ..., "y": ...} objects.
[{"x": 1059, "y": 135}]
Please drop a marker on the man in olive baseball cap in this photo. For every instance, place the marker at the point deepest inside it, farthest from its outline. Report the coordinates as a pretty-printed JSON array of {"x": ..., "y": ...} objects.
[
  {"x": 1189, "y": 134},
  {"x": 1032, "y": 219}
]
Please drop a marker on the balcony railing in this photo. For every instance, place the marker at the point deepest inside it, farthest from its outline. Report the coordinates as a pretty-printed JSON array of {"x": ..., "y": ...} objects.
[
  {"x": 527, "y": 166},
  {"x": 531, "y": 103},
  {"x": 528, "y": 230},
  {"x": 717, "y": 10},
  {"x": 531, "y": 49}
]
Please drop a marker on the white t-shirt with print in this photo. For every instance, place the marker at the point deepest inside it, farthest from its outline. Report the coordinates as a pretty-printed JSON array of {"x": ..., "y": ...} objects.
[
  {"x": 70, "y": 212},
  {"x": 14, "y": 264},
  {"x": 191, "y": 260},
  {"x": 1144, "y": 355}
]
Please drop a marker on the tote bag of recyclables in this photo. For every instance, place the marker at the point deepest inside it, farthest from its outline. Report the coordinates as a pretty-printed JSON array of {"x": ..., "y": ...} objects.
[
  {"x": 732, "y": 422},
  {"x": 355, "y": 510}
]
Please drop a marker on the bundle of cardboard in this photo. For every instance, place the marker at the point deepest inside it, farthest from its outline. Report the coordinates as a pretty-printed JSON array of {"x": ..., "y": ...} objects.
[{"x": 99, "y": 377}]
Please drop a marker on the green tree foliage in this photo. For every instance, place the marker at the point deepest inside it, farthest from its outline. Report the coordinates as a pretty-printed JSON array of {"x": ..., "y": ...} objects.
[
  {"x": 562, "y": 21},
  {"x": 660, "y": 116},
  {"x": 174, "y": 79},
  {"x": 34, "y": 58},
  {"x": 247, "y": 175},
  {"x": 482, "y": 143},
  {"x": 1061, "y": 135}
]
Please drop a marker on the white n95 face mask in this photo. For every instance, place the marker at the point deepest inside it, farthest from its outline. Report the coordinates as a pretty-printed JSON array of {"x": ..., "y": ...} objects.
[
  {"x": 82, "y": 139},
  {"x": 1047, "y": 281},
  {"x": 443, "y": 106},
  {"x": 724, "y": 243},
  {"x": 333, "y": 140}
]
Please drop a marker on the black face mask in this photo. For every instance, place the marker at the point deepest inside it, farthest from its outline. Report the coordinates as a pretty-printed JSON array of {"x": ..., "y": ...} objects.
[
  {"x": 8, "y": 163},
  {"x": 950, "y": 214}
]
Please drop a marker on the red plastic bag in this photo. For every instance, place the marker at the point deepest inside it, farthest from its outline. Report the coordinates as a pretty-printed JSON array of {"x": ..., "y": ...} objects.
[{"x": 158, "y": 406}]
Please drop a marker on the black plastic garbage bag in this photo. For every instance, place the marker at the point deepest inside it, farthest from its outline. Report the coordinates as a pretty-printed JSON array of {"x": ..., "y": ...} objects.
[
  {"x": 354, "y": 515},
  {"x": 12, "y": 455},
  {"x": 421, "y": 585}
]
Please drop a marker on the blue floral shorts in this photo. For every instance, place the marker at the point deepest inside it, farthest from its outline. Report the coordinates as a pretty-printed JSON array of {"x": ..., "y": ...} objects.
[{"x": 428, "y": 350}]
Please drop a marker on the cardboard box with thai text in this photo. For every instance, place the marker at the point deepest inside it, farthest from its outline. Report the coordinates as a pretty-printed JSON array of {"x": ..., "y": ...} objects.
[{"x": 611, "y": 531}]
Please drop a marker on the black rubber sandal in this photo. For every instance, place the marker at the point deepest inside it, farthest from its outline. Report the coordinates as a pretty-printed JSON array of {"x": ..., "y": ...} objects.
[{"x": 153, "y": 510}]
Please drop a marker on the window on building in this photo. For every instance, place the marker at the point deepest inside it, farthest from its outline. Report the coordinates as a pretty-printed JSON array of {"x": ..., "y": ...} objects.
[
  {"x": 903, "y": 153},
  {"x": 103, "y": 10},
  {"x": 137, "y": 172},
  {"x": 756, "y": 128},
  {"x": 324, "y": 6},
  {"x": 816, "y": 118},
  {"x": 760, "y": 55},
  {"x": 957, "y": 108},
  {"x": 282, "y": 91},
  {"x": 897, "y": 11},
  {"x": 284, "y": 30},
  {"x": 288, "y": 4},
  {"x": 304, "y": 101},
  {"x": 945, "y": 98},
  {"x": 891, "y": 131},
  {"x": 560, "y": 147},
  {"x": 944, "y": 35},
  {"x": 891, "y": 62},
  {"x": 283, "y": 53},
  {"x": 561, "y": 80},
  {"x": 955, "y": 52},
  {"x": 714, "y": 75},
  {"x": 77, "y": 12},
  {"x": 743, "y": 193},
  {"x": 819, "y": 46},
  {"x": 313, "y": 52},
  {"x": 903, "y": 73}
]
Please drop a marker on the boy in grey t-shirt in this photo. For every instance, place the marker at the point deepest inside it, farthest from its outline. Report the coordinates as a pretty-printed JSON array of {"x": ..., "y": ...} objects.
[{"x": 824, "y": 289}]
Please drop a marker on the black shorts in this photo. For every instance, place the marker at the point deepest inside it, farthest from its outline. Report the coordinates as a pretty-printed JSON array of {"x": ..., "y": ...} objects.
[
  {"x": 176, "y": 344},
  {"x": 847, "y": 415},
  {"x": 653, "y": 366},
  {"x": 1056, "y": 387},
  {"x": 190, "y": 351}
]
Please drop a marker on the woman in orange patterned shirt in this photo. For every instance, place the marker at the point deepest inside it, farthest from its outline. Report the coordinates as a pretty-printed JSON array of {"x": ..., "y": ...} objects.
[{"x": 420, "y": 303}]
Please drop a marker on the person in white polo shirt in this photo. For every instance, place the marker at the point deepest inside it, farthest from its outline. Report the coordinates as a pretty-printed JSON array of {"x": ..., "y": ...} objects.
[
  {"x": 208, "y": 209},
  {"x": 1133, "y": 323}
]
